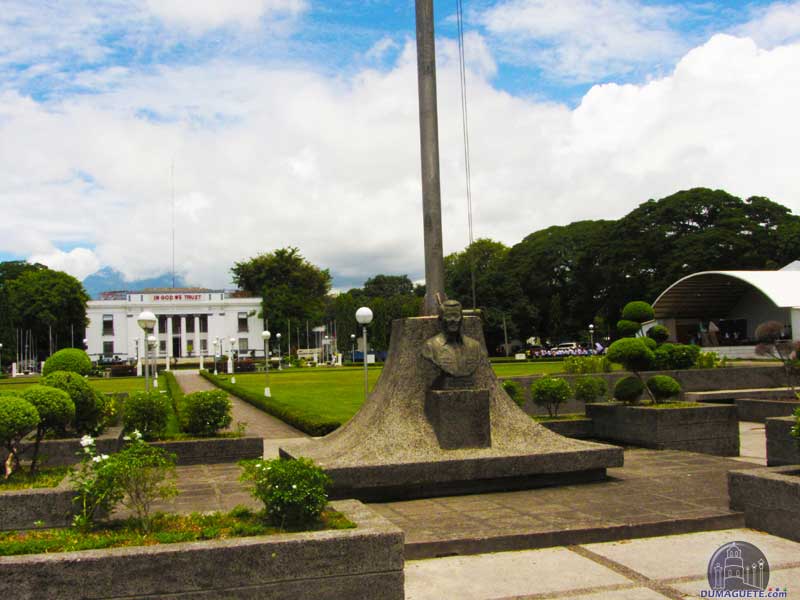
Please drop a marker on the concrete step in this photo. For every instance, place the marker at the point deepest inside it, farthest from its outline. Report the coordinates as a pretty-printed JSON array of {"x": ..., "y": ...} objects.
[{"x": 779, "y": 393}]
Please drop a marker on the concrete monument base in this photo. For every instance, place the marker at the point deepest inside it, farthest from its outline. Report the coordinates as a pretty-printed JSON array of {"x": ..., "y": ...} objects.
[{"x": 390, "y": 449}]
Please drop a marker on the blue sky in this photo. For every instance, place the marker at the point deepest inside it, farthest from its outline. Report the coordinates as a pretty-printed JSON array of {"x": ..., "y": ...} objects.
[{"x": 292, "y": 122}]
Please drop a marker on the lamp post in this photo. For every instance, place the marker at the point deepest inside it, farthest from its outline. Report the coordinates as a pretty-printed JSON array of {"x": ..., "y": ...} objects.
[
  {"x": 151, "y": 346},
  {"x": 216, "y": 353},
  {"x": 591, "y": 336},
  {"x": 265, "y": 335},
  {"x": 352, "y": 347},
  {"x": 147, "y": 321},
  {"x": 326, "y": 353},
  {"x": 232, "y": 361},
  {"x": 278, "y": 337},
  {"x": 364, "y": 318}
]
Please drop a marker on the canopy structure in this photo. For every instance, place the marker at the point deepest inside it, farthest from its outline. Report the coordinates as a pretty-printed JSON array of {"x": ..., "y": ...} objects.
[{"x": 719, "y": 292}]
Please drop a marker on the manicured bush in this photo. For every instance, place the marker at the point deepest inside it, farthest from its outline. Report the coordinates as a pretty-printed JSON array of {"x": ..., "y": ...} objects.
[
  {"x": 707, "y": 360},
  {"x": 18, "y": 417},
  {"x": 627, "y": 328},
  {"x": 668, "y": 357},
  {"x": 663, "y": 387},
  {"x": 71, "y": 360},
  {"x": 638, "y": 311},
  {"x": 514, "y": 392},
  {"x": 88, "y": 404},
  {"x": 294, "y": 492},
  {"x": 56, "y": 411},
  {"x": 649, "y": 342},
  {"x": 205, "y": 413},
  {"x": 589, "y": 389},
  {"x": 631, "y": 353},
  {"x": 580, "y": 365},
  {"x": 629, "y": 389},
  {"x": 659, "y": 333},
  {"x": 550, "y": 392},
  {"x": 147, "y": 413}
]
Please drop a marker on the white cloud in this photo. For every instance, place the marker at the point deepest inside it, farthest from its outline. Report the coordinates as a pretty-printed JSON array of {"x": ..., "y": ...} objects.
[
  {"x": 268, "y": 157},
  {"x": 775, "y": 24},
  {"x": 202, "y": 15},
  {"x": 584, "y": 40},
  {"x": 78, "y": 262}
]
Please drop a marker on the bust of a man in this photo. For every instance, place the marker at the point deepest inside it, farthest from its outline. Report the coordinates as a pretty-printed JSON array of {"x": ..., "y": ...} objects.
[{"x": 456, "y": 354}]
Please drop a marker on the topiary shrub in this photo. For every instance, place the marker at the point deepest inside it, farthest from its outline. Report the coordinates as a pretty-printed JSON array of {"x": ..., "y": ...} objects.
[
  {"x": 629, "y": 389},
  {"x": 663, "y": 387},
  {"x": 18, "y": 417},
  {"x": 649, "y": 342},
  {"x": 88, "y": 409},
  {"x": 205, "y": 413},
  {"x": 56, "y": 411},
  {"x": 71, "y": 360},
  {"x": 514, "y": 392},
  {"x": 632, "y": 353},
  {"x": 147, "y": 413},
  {"x": 550, "y": 392},
  {"x": 627, "y": 328},
  {"x": 659, "y": 333},
  {"x": 294, "y": 492},
  {"x": 638, "y": 311},
  {"x": 589, "y": 389},
  {"x": 669, "y": 357}
]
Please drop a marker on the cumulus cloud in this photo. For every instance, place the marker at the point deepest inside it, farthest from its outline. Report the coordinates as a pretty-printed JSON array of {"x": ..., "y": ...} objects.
[
  {"x": 775, "y": 24},
  {"x": 583, "y": 40},
  {"x": 268, "y": 157},
  {"x": 78, "y": 262},
  {"x": 202, "y": 15}
]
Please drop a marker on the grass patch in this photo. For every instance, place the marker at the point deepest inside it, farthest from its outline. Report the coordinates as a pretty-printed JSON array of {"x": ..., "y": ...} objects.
[
  {"x": 104, "y": 385},
  {"x": 44, "y": 478},
  {"x": 167, "y": 529},
  {"x": 567, "y": 417}
]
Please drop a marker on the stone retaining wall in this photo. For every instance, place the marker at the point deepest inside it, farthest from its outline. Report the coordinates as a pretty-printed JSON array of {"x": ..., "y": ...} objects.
[
  {"x": 68, "y": 451},
  {"x": 213, "y": 450},
  {"x": 20, "y": 509},
  {"x": 769, "y": 499},
  {"x": 576, "y": 428},
  {"x": 758, "y": 410},
  {"x": 782, "y": 448}
]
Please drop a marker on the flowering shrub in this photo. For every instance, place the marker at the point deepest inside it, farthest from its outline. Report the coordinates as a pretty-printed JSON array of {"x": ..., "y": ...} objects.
[
  {"x": 205, "y": 413},
  {"x": 96, "y": 490},
  {"x": 294, "y": 492}
]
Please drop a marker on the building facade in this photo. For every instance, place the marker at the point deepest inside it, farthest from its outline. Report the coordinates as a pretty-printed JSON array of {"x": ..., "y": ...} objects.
[{"x": 188, "y": 323}]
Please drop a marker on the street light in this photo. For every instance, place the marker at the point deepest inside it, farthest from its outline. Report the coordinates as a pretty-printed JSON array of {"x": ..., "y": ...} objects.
[
  {"x": 265, "y": 335},
  {"x": 278, "y": 337},
  {"x": 591, "y": 336},
  {"x": 215, "y": 342},
  {"x": 326, "y": 353},
  {"x": 151, "y": 345},
  {"x": 364, "y": 318},
  {"x": 147, "y": 321},
  {"x": 232, "y": 361},
  {"x": 352, "y": 347}
]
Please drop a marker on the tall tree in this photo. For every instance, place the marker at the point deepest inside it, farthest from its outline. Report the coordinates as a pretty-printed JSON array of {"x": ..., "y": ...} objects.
[{"x": 291, "y": 288}]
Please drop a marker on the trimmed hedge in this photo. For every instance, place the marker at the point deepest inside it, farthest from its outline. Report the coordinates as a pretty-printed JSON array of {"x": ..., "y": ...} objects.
[
  {"x": 626, "y": 328},
  {"x": 659, "y": 333},
  {"x": 663, "y": 387},
  {"x": 88, "y": 403},
  {"x": 669, "y": 357},
  {"x": 147, "y": 412},
  {"x": 205, "y": 413},
  {"x": 589, "y": 389},
  {"x": 72, "y": 360},
  {"x": 638, "y": 311},
  {"x": 286, "y": 414},
  {"x": 629, "y": 389},
  {"x": 631, "y": 353}
]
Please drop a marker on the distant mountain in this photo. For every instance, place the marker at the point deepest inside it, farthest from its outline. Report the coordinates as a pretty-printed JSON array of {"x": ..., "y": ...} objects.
[{"x": 108, "y": 279}]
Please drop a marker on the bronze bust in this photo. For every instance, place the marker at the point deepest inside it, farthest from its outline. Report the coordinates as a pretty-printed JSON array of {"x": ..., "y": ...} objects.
[{"x": 456, "y": 354}]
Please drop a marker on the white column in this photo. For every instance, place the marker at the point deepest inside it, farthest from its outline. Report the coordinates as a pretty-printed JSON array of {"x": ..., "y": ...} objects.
[
  {"x": 184, "y": 345},
  {"x": 157, "y": 334},
  {"x": 796, "y": 324},
  {"x": 198, "y": 351},
  {"x": 169, "y": 341}
]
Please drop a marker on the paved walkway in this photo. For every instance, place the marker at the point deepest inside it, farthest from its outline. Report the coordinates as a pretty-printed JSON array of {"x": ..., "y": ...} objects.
[{"x": 257, "y": 422}]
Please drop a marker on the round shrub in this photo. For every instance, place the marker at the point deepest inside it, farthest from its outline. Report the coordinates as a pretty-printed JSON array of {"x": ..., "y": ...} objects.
[
  {"x": 294, "y": 492},
  {"x": 18, "y": 417},
  {"x": 87, "y": 407},
  {"x": 514, "y": 392},
  {"x": 638, "y": 311},
  {"x": 663, "y": 387},
  {"x": 628, "y": 389},
  {"x": 146, "y": 412},
  {"x": 56, "y": 409},
  {"x": 631, "y": 353},
  {"x": 669, "y": 357},
  {"x": 628, "y": 328},
  {"x": 205, "y": 413},
  {"x": 550, "y": 392},
  {"x": 72, "y": 360},
  {"x": 659, "y": 333},
  {"x": 589, "y": 389},
  {"x": 649, "y": 342}
]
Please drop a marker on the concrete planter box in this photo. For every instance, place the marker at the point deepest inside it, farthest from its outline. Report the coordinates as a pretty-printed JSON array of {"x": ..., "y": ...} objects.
[
  {"x": 361, "y": 563},
  {"x": 757, "y": 410},
  {"x": 68, "y": 451},
  {"x": 769, "y": 498},
  {"x": 711, "y": 429},
  {"x": 782, "y": 448},
  {"x": 19, "y": 509},
  {"x": 213, "y": 450},
  {"x": 575, "y": 428}
]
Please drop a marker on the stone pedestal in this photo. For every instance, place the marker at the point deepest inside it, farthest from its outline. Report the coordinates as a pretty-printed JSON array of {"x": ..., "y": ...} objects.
[{"x": 460, "y": 418}]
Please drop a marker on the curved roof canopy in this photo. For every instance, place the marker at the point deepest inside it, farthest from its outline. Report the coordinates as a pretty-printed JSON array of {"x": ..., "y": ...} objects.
[{"x": 716, "y": 293}]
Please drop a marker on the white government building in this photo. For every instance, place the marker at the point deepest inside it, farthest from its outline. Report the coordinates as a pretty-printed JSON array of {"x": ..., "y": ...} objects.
[{"x": 188, "y": 322}]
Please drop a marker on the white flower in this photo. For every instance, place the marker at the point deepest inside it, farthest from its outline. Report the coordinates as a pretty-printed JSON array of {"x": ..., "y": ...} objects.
[
  {"x": 87, "y": 440},
  {"x": 104, "y": 456},
  {"x": 136, "y": 435},
  {"x": 294, "y": 486}
]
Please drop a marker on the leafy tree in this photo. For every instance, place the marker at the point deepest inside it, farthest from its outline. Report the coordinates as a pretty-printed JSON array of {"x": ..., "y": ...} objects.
[
  {"x": 291, "y": 287},
  {"x": 388, "y": 285}
]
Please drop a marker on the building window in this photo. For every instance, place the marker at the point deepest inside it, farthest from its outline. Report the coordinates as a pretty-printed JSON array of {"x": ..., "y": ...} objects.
[
  {"x": 243, "y": 345},
  {"x": 108, "y": 325},
  {"x": 189, "y": 323},
  {"x": 203, "y": 345},
  {"x": 176, "y": 325},
  {"x": 162, "y": 323},
  {"x": 108, "y": 348},
  {"x": 203, "y": 323},
  {"x": 243, "y": 322},
  {"x": 162, "y": 346}
]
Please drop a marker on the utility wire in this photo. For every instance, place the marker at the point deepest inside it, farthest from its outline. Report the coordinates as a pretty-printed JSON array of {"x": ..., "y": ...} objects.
[{"x": 465, "y": 130}]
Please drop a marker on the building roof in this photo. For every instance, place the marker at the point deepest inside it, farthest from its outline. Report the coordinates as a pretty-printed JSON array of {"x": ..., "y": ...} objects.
[
  {"x": 716, "y": 293},
  {"x": 170, "y": 290}
]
